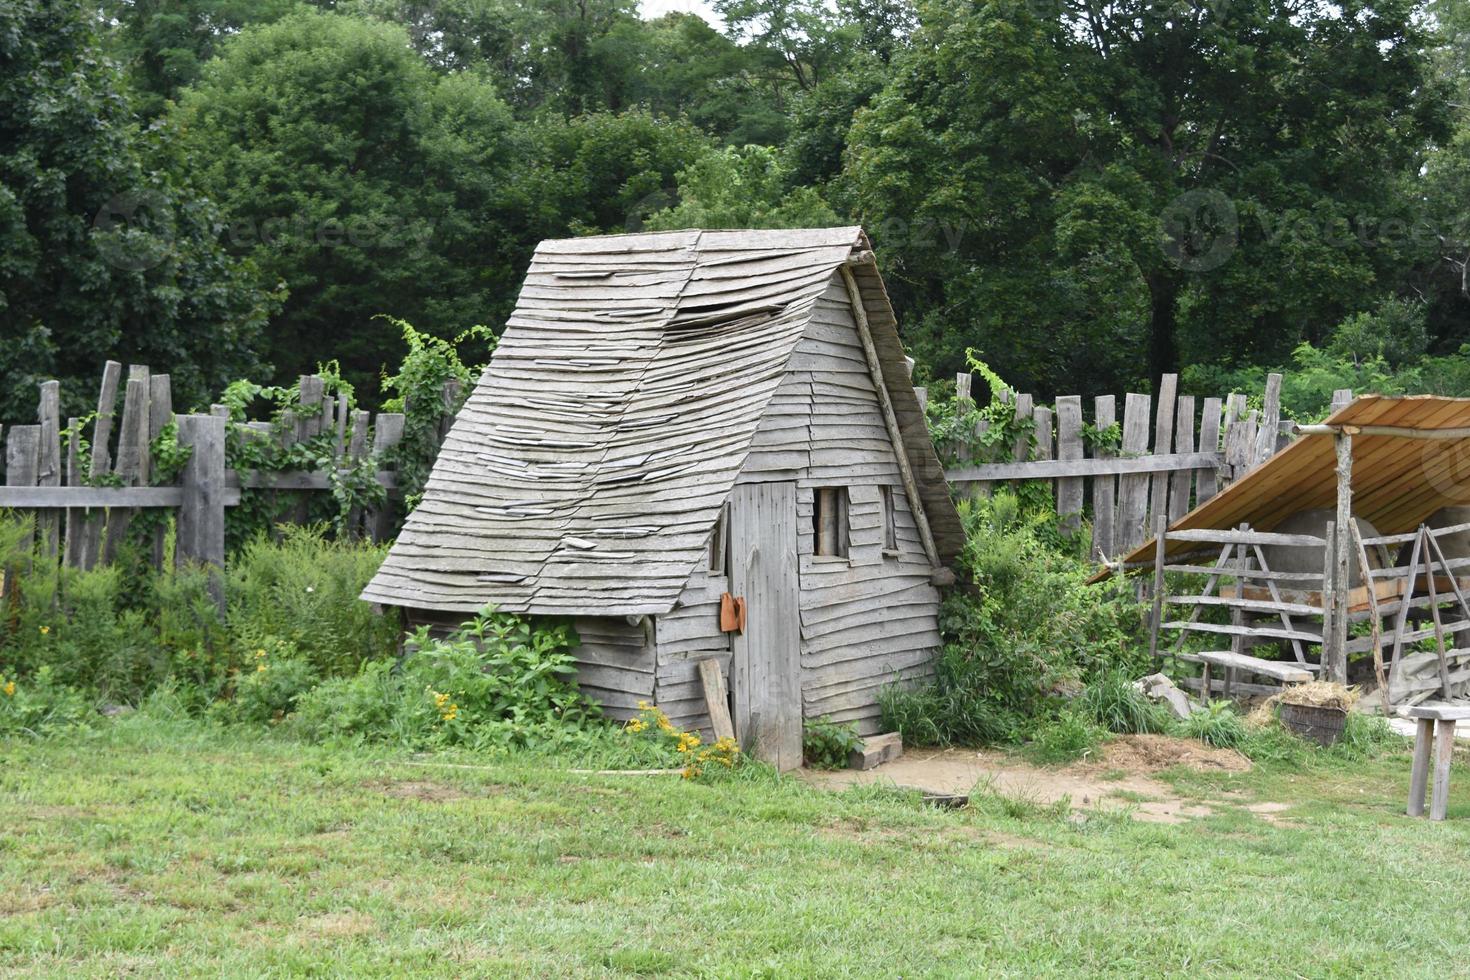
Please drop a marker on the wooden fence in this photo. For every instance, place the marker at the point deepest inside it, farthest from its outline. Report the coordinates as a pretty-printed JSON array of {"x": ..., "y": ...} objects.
[
  {"x": 1198, "y": 447},
  {"x": 84, "y": 506}
]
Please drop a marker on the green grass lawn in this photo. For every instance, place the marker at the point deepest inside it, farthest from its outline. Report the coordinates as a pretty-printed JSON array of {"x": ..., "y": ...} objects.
[{"x": 174, "y": 848}]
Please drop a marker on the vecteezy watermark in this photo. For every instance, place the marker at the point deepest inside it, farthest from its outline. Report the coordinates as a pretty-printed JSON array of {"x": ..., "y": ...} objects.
[
  {"x": 135, "y": 230},
  {"x": 1199, "y": 230},
  {"x": 1445, "y": 465}
]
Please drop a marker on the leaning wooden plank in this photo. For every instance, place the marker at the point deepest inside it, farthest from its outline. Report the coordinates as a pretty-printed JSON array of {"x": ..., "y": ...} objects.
[
  {"x": 1207, "y": 482},
  {"x": 1163, "y": 443},
  {"x": 716, "y": 699},
  {"x": 129, "y": 464},
  {"x": 1047, "y": 469},
  {"x": 1133, "y": 488},
  {"x": 1104, "y": 486},
  {"x": 48, "y": 474},
  {"x": 1285, "y": 672},
  {"x": 72, "y": 555},
  {"x": 1069, "y": 448},
  {"x": 1265, "y": 446},
  {"x": 1181, "y": 481},
  {"x": 201, "y": 521},
  {"x": 22, "y": 461},
  {"x": 1232, "y": 536}
]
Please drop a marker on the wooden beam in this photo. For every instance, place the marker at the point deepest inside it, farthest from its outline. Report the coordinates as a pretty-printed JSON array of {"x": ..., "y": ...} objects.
[
  {"x": 890, "y": 420},
  {"x": 1050, "y": 469},
  {"x": 1395, "y": 431},
  {"x": 716, "y": 699},
  {"x": 1334, "y": 659}
]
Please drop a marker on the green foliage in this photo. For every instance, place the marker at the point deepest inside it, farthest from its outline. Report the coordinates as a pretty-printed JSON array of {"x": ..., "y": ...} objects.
[
  {"x": 106, "y": 249},
  {"x": 826, "y": 744},
  {"x": 418, "y": 392},
  {"x": 302, "y": 591},
  {"x": 1067, "y": 736},
  {"x": 742, "y": 187},
  {"x": 41, "y": 706},
  {"x": 497, "y": 681},
  {"x": 1112, "y": 702},
  {"x": 1023, "y": 625},
  {"x": 270, "y": 690},
  {"x": 1217, "y": 724}
]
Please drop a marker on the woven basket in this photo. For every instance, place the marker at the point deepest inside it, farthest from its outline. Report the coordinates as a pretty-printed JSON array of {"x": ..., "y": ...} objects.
[{"x": 1320, "y": 725}]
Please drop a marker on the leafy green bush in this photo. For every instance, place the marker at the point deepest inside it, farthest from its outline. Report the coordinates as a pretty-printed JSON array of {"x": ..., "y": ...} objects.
[
  {"x": 1218, "y": 724},
  {"x": 303, "y": 590},
  {"x": 269, "y": 691},
  {"x": 498, "y": 680},
  {"x": 41, "y": 706},
  {"x": 826, "y": 744},
  {"x": 1023, "y": 625},
  {"x": 1065, "y": 737},
  {"x": 1112, "y": 702}
]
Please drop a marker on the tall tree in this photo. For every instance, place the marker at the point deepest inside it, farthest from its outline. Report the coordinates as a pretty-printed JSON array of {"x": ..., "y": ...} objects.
[
  {"x": 104, "y": 250},
  {"x": 366, "y": 183},
  {"x": 1092, "y": 193}
]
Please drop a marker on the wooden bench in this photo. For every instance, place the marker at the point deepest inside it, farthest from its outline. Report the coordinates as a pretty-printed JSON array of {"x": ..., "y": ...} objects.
[
  {"x": 1233, "y": 663},
  {"x": 1436, "y": 725}
]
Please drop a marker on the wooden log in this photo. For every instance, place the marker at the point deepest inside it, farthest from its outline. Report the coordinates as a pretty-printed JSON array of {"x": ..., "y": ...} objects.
[
  {"x": 1444, "y": 752},
  {"x": 22, "y": 463},
  {"x": 387, "y": 434},
  {"x": 1181, "y": 482},
  {"x": 876, "y": 750},
  {"x": 1207, "y": 482},
  {"x": 1104, "y": 487},
  {"x": 1334, "y": 659},
  {"x": 1069, "y": 449},
  {"x": 1265, "y": 446},
  {"x": 72, "y": 553},
  {"x": 131, "y": 444},
  {"x": 716, "y": 698},
  {"x": 1133, "y": 489},
  {"x": 1163, "y": 442},
  {"x": 48, "y": 473},
  {"x": 1233, "y": 536},
  {"x": 201, "y": 520}
]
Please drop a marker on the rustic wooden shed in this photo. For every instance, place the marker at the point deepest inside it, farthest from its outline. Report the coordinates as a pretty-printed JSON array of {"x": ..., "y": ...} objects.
[{"x": 674, "y": 418}]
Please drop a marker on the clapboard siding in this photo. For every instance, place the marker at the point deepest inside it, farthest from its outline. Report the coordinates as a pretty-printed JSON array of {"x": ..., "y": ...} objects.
[
  {"x": 615, "y": 658},
  {"x": 687, "y": 634}
]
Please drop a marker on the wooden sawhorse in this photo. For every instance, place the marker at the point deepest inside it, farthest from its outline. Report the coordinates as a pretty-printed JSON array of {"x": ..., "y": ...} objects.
[{"x": 1436, "y": 726}]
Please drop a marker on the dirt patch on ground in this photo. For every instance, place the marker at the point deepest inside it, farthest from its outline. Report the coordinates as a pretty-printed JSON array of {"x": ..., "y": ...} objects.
[
  {"x": 1119, "y": 779},
  {"x": 419, "y": 789},
  {"x": 341, "y": 924},
  {"x": 1147, "y": 754}
]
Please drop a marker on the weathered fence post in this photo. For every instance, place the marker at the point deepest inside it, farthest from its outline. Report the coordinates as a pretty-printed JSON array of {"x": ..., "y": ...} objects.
[
  {"x": 48, "y": 473},
  {"x": 201, "y": 527},
  {"x": 23, "y": 459},
  {"x": 1069, "y": 447},
  {"x": 387, "y": 433},
  {"x": 1335, "y": 666},
  {"x": 1104, "y": 487}
]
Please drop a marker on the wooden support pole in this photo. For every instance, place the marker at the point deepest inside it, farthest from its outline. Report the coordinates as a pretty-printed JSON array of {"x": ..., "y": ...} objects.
[
  {"x": 875, "y": 368},
  {"x": 1335, "y": 667},
  {"x": 1419, "y": 770},
  {"x": 1444, "y": 751},
  {"x": 201, "y": 525},
  {"x": 1161, "y": 525}
]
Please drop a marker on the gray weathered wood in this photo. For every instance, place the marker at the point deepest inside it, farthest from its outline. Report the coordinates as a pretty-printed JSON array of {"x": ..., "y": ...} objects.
[
  {"x": 1044, "y": 441},
  {"x": 131, "y": 446},
  {"x": 1207, "y": 482},
  {"x": 31, "y": 498},
  {"x": 49, "y": 471},
  {"x": 1265, "y": 446},
  {"x": 22, "y": 462},
  {"x": 1444, "y": 752},
  {"x": 90, "y": 546},
  {"x": 201, "y": 519},
  {"x": 1439, "y": 712},
  {"x": 1281, "y": 671},
  {"x": 1156, "y": 620},
  {"x": 1181, "y": 481},
  {"x": 72, "y": 555},
  {"x": 1419, "y": 770},
  {"x": 387, "y": 434},
  {"x": 1133, "y": 488},
  {"x": 1163, "y": 442},
  {"x": 1049, "y": 469},
  {"x": 1104, "y": 486},
  {"x": 1341, "y": 398},
  {"x": 766, "y": 671},
  {"x": 1069, "y": 449},
  {"x": 715, "y": 698},
  {"x": 1334, "y": 654},
  {"x": 875, "y": 751},
  {"x": 1233, "y": 536}
]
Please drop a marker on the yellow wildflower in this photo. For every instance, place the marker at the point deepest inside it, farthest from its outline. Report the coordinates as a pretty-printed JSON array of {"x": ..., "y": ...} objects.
[
  {"x": 636, "y": 725},
  {"x": 259, "y": 654},
  {"x": 260, "y": 668},
  {"x": 9, "y": 689},
  {"x": 45, "y": 630}
]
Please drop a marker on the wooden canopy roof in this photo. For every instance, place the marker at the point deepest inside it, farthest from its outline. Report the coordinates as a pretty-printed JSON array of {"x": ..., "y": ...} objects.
[
  {"x": 1411, "y": 456},
  {"x": 586, "y": 471}
]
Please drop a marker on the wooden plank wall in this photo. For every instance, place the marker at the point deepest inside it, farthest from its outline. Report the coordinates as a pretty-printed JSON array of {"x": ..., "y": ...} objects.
[{"x": 1175, "y": 452}]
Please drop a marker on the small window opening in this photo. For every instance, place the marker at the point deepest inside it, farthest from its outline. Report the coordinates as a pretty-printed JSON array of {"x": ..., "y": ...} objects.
[
  {"x": 829, "y": 521},
  {"x": 719, "y": 545},
  {"x": 890, "y": 529}
]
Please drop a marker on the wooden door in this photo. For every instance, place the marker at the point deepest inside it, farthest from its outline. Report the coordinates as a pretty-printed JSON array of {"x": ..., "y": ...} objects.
[{"x": 765, "y": 669}]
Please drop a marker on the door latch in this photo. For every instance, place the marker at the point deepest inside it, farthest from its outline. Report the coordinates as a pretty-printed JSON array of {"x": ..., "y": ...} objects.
[{"x": 732, "y": 613}]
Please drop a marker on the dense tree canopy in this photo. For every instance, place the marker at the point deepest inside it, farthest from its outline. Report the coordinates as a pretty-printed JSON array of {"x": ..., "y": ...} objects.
[{"x": 1088, "y": 194}]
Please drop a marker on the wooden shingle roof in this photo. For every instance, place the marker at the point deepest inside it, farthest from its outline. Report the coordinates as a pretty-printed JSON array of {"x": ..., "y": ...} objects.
[{"x": 588, "y": 467}]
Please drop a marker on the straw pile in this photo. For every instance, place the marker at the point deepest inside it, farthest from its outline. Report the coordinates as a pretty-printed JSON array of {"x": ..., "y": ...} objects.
[{"x": 1317, "y": 694}]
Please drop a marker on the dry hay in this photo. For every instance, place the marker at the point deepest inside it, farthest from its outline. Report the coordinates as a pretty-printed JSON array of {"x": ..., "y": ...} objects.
[
  {"x": 1316, "y": 694},
  {"x": 1155, "y": 753}
]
